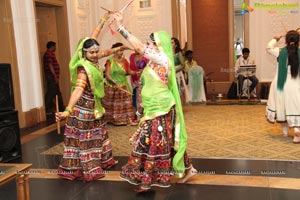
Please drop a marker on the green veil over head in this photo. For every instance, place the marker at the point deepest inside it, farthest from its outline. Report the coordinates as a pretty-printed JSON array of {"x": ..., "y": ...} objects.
[
  {"x": 163, "y": 42},
  {"x": 95, "y": 76}
]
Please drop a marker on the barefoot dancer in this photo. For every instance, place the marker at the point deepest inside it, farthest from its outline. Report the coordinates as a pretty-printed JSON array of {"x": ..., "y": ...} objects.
[
  {"x": 160, "y": 141},
  {"x": 287, "y": 94},
  {"x": 87, "y": 150}
]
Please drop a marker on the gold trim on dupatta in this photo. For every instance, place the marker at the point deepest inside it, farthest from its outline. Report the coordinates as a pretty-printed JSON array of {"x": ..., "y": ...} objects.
[
  {"x": 156, "y": 77},
  {"x": 97, "y": 113}
]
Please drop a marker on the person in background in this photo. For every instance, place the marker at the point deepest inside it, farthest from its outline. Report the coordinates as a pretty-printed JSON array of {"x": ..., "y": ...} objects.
[
  {"x": 287, "y": 94},
  {"x": 196, "y": 76},
  {"x": 179, "y": 66},
  {"x": 238, "y": 47},
  {"x": 52, "y": 72},
  {"x": 242, "y": 75},
  {"x": 87, "y": 148},
  {"x": 159, "y": 143},
  {"x": 137, "y": 63},
  {"x": 118, "y": 93}
]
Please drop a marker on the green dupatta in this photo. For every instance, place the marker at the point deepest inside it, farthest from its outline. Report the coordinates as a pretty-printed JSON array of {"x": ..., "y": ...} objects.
[
  {"x": 158, "y": 98},
  {"x": 118, "y": 73},
  {"x": 282, "y": 68},
  {"x": 95, "y": 77}
]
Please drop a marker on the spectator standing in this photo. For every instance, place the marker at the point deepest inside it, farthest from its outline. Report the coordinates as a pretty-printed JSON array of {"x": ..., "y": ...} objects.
[{"x": 52, "y": 72}]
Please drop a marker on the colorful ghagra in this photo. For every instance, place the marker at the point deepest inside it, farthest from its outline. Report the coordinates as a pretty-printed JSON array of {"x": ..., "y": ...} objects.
[
  {"x": 117, "y": 103},
  {"x": 87, "y": 149},
  {"x": 151, "y": 160}
]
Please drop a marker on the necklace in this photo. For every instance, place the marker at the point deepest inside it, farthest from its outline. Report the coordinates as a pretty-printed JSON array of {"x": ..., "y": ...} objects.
[
  {"x": 118, "y": 59},
  {"x": 98, "y": 66}
]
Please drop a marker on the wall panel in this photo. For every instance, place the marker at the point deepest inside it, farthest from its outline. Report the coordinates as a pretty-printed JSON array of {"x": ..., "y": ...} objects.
[{"x": 210, "y": 37}]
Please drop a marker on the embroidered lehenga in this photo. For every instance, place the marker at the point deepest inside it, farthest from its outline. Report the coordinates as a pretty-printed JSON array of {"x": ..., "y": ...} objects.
[
  {"x": 118, "y": 102},
  {"x": 87, "y": 148},
  {"x": 160, "y": 140}
]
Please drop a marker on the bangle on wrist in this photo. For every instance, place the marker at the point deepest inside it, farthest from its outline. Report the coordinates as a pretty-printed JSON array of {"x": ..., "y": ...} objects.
[
  {"x": 68, "y": 110},
  {"x": 121, "y": 29},
  {"x": 101, "y": 23},
  {"x": 66, "y": 113},
  {"x": 103, "y": 54}
]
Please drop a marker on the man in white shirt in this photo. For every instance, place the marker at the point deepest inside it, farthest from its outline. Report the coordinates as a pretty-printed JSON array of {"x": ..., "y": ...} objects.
[{"x": 242, "y": 74}]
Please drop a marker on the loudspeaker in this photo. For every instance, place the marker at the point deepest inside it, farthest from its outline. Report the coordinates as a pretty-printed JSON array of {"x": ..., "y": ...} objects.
[
  {"x": 6, "y": 88},
  {"x": 10, "y": 145}
]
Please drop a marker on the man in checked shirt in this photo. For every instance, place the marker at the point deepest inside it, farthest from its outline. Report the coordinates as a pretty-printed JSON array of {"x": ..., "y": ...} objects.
[{"x": 51, "y": 69}]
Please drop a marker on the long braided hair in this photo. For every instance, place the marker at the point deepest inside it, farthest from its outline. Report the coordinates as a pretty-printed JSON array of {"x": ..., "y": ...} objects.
[{"x": 292, "y": 42}]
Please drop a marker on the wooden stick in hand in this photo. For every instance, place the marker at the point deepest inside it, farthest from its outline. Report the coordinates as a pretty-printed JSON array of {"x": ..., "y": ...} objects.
[
  {"x": 109, "y": 11},
  {"x": 57, "y": 110},
  {"x": 126, "y": 91}
]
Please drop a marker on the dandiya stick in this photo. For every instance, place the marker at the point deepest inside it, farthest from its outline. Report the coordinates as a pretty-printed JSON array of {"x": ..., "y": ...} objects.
[
  {"x": 57, "y": 110},
  {"x": 121, "y": 11},
  {"x": 125, "y": 91},
  {"x": 109, "y": 11}
]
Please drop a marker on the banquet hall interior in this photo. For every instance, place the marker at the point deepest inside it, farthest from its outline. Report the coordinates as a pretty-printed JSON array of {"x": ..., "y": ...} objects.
[{"x": 238, "y": 154}]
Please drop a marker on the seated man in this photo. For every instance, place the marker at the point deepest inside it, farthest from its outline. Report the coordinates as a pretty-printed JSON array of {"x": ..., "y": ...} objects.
[{"x": 243, "y": 74}]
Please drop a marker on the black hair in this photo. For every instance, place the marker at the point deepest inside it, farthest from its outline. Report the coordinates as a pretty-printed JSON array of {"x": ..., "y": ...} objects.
[
  {"x": 245, "y": 50},
  {"x": 188, "y": 52},
  {"x": 118, "y": 44},
  {"x": 292, "y": 43},
  {"x": 177, "y": 45},
  {"x": 151, "y": 36},
  {"x": 88, "y": 43},
  {"x": 50, "y": 44}
]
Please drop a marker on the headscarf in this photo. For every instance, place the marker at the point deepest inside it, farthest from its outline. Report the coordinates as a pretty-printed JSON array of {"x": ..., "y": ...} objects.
[
  {"x": 95, "y": 77},
  {"x": 163, "y": 42}
]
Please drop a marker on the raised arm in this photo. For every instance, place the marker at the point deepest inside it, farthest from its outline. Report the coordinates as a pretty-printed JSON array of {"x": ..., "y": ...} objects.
[
  {"x": 271, "y": 46},
  {"x": 134, "y": 41},
  {"x": 99, "y": 27},
  {"x": 147, "y": 51},
  {"x": 111, "y": 51}
]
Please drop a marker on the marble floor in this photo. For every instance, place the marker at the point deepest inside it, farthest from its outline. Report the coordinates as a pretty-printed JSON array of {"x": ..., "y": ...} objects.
[{"x": 220, "y": 179}]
